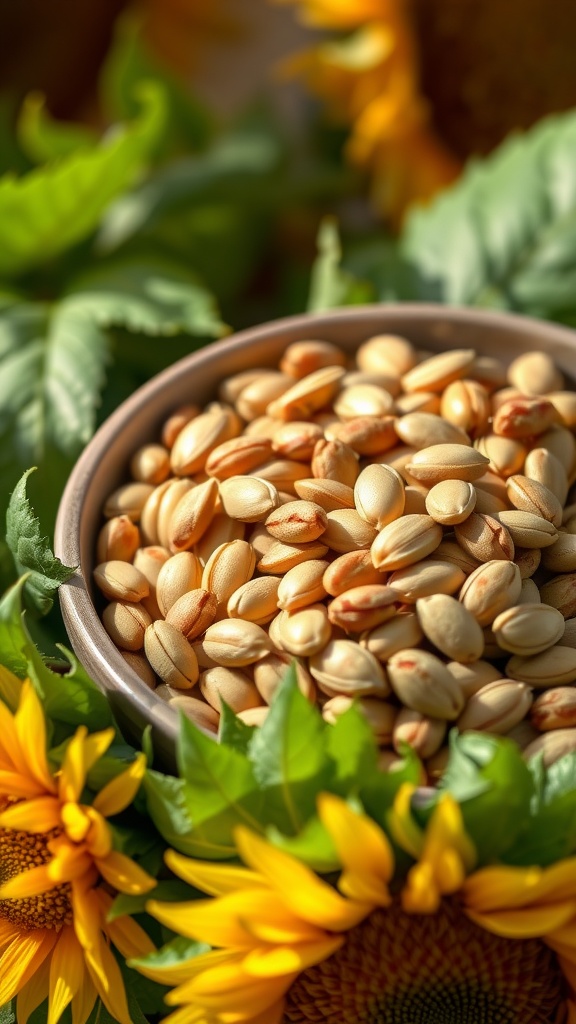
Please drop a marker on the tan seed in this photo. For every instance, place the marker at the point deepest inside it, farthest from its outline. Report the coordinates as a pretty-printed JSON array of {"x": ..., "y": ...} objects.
[
  {"x": 304, "y": 357},
  {"x": 447, "y": 462},
  {"x": 555, "y": 709},
  {"x": 343, "y": 667},
  {"x": 363, "y": 400},
  {"x": 170, "y": 655},
  {"x": 466, "y": 404},
  {"x": 362, "y": 608},
  {"x": 128, "y": 500},
  {"x": 230, "y": 685},
  {"x": 551, "y": 746},
  {"x": 366, "y": 435},
  {"x": 423, "y": 429},
  {"x": 179, "y": 574},
  {"x": 176, "y": 422},
  {"x": 450, "y": 501},
  {"x": 302, "y": 585},
  {"x": 304, "y": 632},
  {"x": 560, "y": 592},
  {"x": 126, "y": 624},
  {"x": 329, "y": 494},
  {"x": 485, "y": 538},
  {"x": 379, "y": 715},
  {"x": 248, "y": 498},
  {"x": 137, "y": 662},
  {"x": 118, "y": 540},
  {"x": 534, "y": 373},
  {"x": 353, "y": 569},
  {"x": 387, "y": 353},
  {"x": 425, "y": 578},
  {"x": 235, "y": 642},
  {"x": 450, "y": 627},
  {"x": 192, "y": 516},
  {"x": 297, "y": 522},
  {"x": 435, "y": 373},
  {"x": 405, "y": 541},
  {"x": 297, "y": 440},
  {"x": 524, "y": 417},
  {"x": 309, "y": 394},
  {"x": 229, "y": 567},
  {"x": 347, "y": 531},
  {"x": 254, "y": 399},
  {"x": 531, "y": 496},
  {"x": 528, "y": 629},
  {"x": 496, "y": 708},
  {"x": 281, "y": 557},
  {"x": 150, "y": 464},
  {"x": 422, "y": 682},
  {"x": 238, "y": 456},
  {"x": 399, "y": 633},
  {"x": 334, "y": 460},
  {"x": 554, "y": 667},
  {"x": 379, "y": 495},
  {"x": 192, "y": 613},
  {"x": 490, "y": 589},
  {"x": 198, "y": 438},
  {"x": 270, "y": 671},
  {"x": 255, "y": 600},
  {"x": 472, "y": 678},
  {"x": 506, "y": 455},
  {"x": 424, "y": 734},
  {"x": 120, "y": 581},
  {"x": 542, "y": 466},
  {"x": 562, "y": 556},
  {"x": 203, "y": 716}
]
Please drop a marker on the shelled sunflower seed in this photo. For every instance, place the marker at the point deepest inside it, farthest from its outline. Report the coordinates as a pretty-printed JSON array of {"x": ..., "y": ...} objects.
[{"x": 401, "y": 528}]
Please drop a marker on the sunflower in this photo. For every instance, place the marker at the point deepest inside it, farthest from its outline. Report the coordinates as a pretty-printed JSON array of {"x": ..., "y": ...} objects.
[
  {"x": 447, "y": 944},
  {"x": 58, "y": 867},
  {"x": 425, "y": 83}
]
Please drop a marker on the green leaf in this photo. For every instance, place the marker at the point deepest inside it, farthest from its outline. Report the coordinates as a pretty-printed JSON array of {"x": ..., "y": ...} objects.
[
  {"x": 288, "y": 755},
  {"x": 351, "y": 745},
  {"x": 330, "y": 284},
  {"x": 505, "y": 234},
  {"x": 8, "y": 1013},
  {"x": 494, "y": 787},
  {"x": 221, "y": 793},
  {"x": 72, "y": 699},
  {"x": 550, "y": 832},
  {"x": 52, "y": 208},
  {"x": 313, "y": 846},
  {"x": 32, "y": 552},
  {"x": 147, "y": 296},
  {"x": 43, "y": 139},
  {"x": 233, "y": 732},
  {"x": 14, "y": 640},
  {"x": 174, "y": 952},
  {"x": 167, "y": 806}
]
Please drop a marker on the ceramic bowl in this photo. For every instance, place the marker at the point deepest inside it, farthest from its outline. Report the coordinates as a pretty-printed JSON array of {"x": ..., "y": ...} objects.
[{"x": 103, "y": 464}]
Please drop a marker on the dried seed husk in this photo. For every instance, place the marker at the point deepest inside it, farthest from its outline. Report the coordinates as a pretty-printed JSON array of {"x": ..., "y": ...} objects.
[
  {"x": 149, "y": 517},
  {"x": 489, "y": 371},
  {"x": 304, "y": 357},
  {"x": 297, "y": 522},
  {"x": 255, "y": 600},
  {"x": 254, "y": 716},
  {"x": 437, "y": 372},
  {"x": 128, "y": 500},
  {"x": 414, "y": 502},
  {"x": 363, "y": 400},
  {"x": 270, "y": 671},
  {"x": 450, "y": 501},
  {"x": 418, "y": 401},
  {"x": 565, "y": 404},
  {"x": 397, "y": 458},
  {"x": 366, "y": 435},
  {"x": 149, "y": 561},
  {"x": 528, "y": 530},
  {"x": 343, "y": 667},
  {"x": 235, "y": 642},
  {"x": 222, "y": 530},
  {"x": 485, "y": 538},
  {"x": 347, "y": 531},
  {"x": 126, "y": 624},
  {"x": 560, "y": 441},
  {"x": 238, "y": 456},
  {"x": 329, "y": 494},
  {"x": 528, "y": 629},
  {"x": 137, "y": 662},
  {"x": 169, "y": 500},
  {"x": 230, "y": 388},
  {"x": 562, "y": 556},
  {"x": 542, "y": 466},
  {"x": 282, "y": 473},
  {"x": 425, "y": 429},
  {"x": 531, "y": 496},
  {"x": 302, "y": 585},
  {"x": 535, "y": 373},
  {"x": 204, "y": 717},
  {"x": 230, "y": 685},
  {"x": 334, "y": 460},
  {"x": 472, "y": 678},
  {"x": 529, "y": 593},
  {"x": 379, "y": 715},
  {"x": 524, "y": 417},
  {"x": 198, "y": 438},
  {"x": 569, "y": 635},
  {"x": 554, "y": 709},
  {"x": 527, "y": 560},
  {"x": 523, "y": 734},
  {"x": 192, "y": 613},
  {"x": 496, "y": 708},
  {"x": 505, "y": 454},
  {"x": 150, "y": 464},
  {"x": 424, "y": 734},
  {"x": 179, "y": 574},
  {"x": 192, "y": 516},
  {"x": 405, "y": 541},
  {"x": 397, "y": 634},
  {"x": 170, "y": 655},
  {"x": 553, "y": 667},
  {"x": 490, "y": 589},
  {"x": 551, "y": 746},
  {"x": 560, "y": 592},
  {"x": 447, "y": 462},
  {"x": 450, "y": 627},
  {"x": 387, "y": 353},
  {"x": 353, "y": 569},
  {"x": 304, "y": 632},
  {"x": 176, "y": 422},
  {"x": 466, "y": 404},
  {"x": 120, "y": 581},
  {"x": 254, "y": 399},
  {"x": 118, "y": 540},
  {"x": 423, "y": 683},
  {"x": 437, "y": 764},
  {"x": 450, "y": 551},
  {"x": 310, "y": 393},
  {"x": 425, "y": 578},
  {"x": 228, "y": 567},
  {"x": 379, "y": 495},
  {"x": 297, "y": 440},
  {"x": 389, "y": 383},
  {"x": 362, "y": 608},
  {"x": 488, "y": 504},
  {"x": 281, "y": 557},
  {"x": 248, "y": 498}
]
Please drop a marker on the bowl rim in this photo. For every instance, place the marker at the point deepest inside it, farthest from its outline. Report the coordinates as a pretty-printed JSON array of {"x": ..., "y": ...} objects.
[{"x": 80, "y": 615}]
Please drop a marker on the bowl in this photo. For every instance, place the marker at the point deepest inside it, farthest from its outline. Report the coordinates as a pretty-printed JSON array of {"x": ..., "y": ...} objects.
[{"x": 103, "y": 464}]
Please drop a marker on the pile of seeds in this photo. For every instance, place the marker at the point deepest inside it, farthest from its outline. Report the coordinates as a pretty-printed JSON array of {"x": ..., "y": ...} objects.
[{"x": 404, "y": 529}]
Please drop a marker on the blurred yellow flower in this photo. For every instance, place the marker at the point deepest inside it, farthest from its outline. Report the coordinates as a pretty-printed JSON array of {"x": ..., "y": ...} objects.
[{"x": 55, "y": 853}]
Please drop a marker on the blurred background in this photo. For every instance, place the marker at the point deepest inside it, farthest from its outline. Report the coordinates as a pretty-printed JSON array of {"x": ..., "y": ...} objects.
[{"x": 175, "y": 169}]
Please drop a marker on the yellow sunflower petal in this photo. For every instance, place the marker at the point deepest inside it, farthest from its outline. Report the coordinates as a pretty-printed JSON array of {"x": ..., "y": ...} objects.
[
  {"x": 67, "y": 972},
  {"x": 41, "y": 814},
  {"x": 83, "y": 1001},
  {"x": 302, "y": 891},
  {"x": 274, "y": 926},
  {"x": 10, "y": 749},
  {"x": 18, "y": 785},
  {"x": 404, "y": 829},
  {"x": 33, "y": 882},
  {"x": 266, "y": 963},
  {"x": 108, "y": 981},
  {"x": 75, "y": 820},
  {"x": 566, "y": 937},
  {"x": 505, "y": 887},
  {"x": 34, "y": 992},
  {"x": 8, "y": 932},
  {"x": 81, "y": 753},
  {"x": 178, "y": 974},
  {"x": 189, "y": 1015},
  {"x": 215, "y": 879},
  {"x": 10, "y": 688},
  {"x": 420, "y": 895},
  {"x": 364, "y": 890},
  {"x": 120, "y": 792},
  {"x": 86, "y": 914},
  {"x": 129, "y": 938},
  {"x": 446, "y": 831},
  {"x": 124, "y": 874},
  {"x": 99, "y": 836},
  {"x": 362, "y": 847},
  {"x": 22, "y": 958},
  {"x": 531, "y": 922},
  {"x": 211, "y": 921},
  {"x": 228, "y": 989},
  {"x": 31, "y": 730}
]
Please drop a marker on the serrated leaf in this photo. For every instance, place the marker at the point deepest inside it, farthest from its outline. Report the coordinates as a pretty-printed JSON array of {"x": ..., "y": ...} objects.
[
  {"x": 43, "y": 138},
  {"x": 71, "y": 698},
  {"x": 549, "y": 834},
  {"x": 505, "y": 234},
  {"x": 288, "y": 755},
  {"x": 147, "y": 296},
  {"x": 330, "y": 285},
  {"x": 494, "y": 787},
  {"x": 52, "y": 208},
  {"x": 313, "y": 846},
  {"x": 8, "y": 1013},
  {"x": 32, "y": 553},
  {"x": 221, "y": 792},
  {"x": 167, "y": 806}
]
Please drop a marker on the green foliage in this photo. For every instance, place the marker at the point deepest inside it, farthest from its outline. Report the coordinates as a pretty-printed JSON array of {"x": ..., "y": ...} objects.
[
  {"x": 330, "y": 284},
  {"x": 548, "y": 834},
  {"x": 44, "y": 139},
  {"x": 32, "y": 553}
]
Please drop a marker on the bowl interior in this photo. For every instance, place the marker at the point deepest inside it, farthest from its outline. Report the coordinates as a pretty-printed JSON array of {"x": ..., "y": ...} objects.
[{"x": 104, "y": 463}]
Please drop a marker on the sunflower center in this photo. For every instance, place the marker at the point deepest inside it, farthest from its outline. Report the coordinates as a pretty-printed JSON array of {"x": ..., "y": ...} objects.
[
  {"x": 396, "y": 968},
  {"x": 20, "y": 851}
]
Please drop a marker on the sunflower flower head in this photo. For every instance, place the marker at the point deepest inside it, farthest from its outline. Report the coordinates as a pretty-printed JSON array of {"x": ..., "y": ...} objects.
[{"x": 56, "y": 853}]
